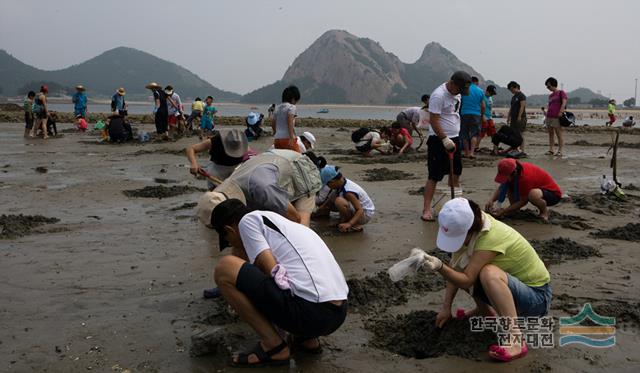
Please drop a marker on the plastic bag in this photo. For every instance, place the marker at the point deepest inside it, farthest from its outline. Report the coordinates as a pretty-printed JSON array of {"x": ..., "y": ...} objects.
[
  {"x": 408, "y": 266},
  {"x": 99, "y": 125}
]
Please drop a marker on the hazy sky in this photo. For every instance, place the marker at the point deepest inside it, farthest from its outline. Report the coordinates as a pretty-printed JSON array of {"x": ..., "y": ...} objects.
[{"x": 241, "y": 45}]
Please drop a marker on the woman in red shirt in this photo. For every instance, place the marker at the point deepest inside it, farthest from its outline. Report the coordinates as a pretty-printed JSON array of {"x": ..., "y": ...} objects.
[
  {"x": 400, "y": 138},
  {"x": 523, "y": 183}
]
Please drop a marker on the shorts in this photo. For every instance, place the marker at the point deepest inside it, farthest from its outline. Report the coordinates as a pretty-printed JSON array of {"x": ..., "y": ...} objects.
[
  {"x": 305, "y": 204},
  {"x": 81, "y": 112},
  {"x": 438, "y": 159},
  {"x": 550, "y": 197},
  {"x": 28, "y": 120},
  {"x": 470, "y": 126},
  {"x": 612, "y": 118},
  {"x": 532, "y": 301},
  {"x": 488, "y": 128},
  {"x": 520, "y": 125},
  {"x": 364, "y": 148},
  {"x": 552, "y": 122},
  {"x": 364, "y": 219},
  {"x": 289, "y": 312},
  {"x": 284, "y": 144},
  {"x": 173, "y": 120},
  {"x": 41, "y": 114}
]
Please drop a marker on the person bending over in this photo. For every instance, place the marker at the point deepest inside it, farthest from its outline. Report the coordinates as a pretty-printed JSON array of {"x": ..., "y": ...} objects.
[
  {"x": 281, "y": 274},
  {"x": 496, "y": 265},
  {"x": 522, "y": 183}
]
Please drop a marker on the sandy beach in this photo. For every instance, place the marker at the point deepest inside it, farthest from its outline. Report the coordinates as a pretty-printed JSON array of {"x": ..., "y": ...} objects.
[{"x": 114, "y": 282}]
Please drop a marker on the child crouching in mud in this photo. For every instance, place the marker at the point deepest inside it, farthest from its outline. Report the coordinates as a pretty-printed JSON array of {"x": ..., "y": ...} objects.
[
  {"x": 346, "y": 197},
  {"x": 280, "y": 275},
  {"x": 499, "y": 268}
]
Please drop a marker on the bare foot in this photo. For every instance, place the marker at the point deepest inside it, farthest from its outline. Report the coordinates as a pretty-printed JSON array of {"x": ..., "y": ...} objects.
[{"x": 427, "y": 216}]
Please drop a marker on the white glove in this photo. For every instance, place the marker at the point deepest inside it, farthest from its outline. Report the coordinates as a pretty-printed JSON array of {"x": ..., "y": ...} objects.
[
  {"x": 432, "y": 262},
  {"x": 449, "y": 145}
]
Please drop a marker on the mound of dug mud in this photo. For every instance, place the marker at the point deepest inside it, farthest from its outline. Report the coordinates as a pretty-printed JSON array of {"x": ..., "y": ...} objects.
[
  {"x": 14, "y": 226},
  {"x": 161, "y": 191},
  {"x": 566, "y": 221},
  {"x": 385, "y": 174},
  {"x": 185, "y": 206},
  {"x": 416, "y": 335},
  {"x": 629, "y": 232},
  {"x": 624, "y": 312},
  {"x": 160, "y": 151},
  {"x": 562, "y": 249},
  {"x": 382, "y": 159},
  {"x": 605, "y": 205},
  {"x": 378, "y": 291}
]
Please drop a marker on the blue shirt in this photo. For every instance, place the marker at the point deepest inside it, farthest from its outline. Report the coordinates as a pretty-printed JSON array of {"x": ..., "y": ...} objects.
[
  {"x": 471, "y": 103},
  {"x": 79, "y": 100},
  {"x": 488, "y": 103}
]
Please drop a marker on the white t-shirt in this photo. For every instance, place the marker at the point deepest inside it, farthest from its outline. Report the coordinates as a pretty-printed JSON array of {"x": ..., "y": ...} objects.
[
  {"x": 313, "y": 272},
  {"x": 448, "y": 106},
  {"x": 412, "y": 114},
  {"x": 363, "y": 197},
  {"x": 372, "y": 136},
  {"x": 281, "y": 116}
]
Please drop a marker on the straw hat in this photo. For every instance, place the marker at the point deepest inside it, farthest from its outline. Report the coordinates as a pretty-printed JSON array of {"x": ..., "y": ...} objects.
[
  {"x": 121, "y": 91},
  {"x": 80, "y": 87},
  {"x": 152, "y": 86}
]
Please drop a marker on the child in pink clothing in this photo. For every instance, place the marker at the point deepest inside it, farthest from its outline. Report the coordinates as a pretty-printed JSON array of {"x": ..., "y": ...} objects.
[{"x": 81, "y": 124}]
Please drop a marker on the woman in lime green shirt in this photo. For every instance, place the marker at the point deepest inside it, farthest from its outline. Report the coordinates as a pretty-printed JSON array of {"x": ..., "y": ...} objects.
[{"x": 506, "y": 273}]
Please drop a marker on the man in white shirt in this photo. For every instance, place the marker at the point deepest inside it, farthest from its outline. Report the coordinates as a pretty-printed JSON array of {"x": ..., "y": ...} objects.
[
  {"x": 444, "y": 110},
  {"x": 281, "y": 273}
]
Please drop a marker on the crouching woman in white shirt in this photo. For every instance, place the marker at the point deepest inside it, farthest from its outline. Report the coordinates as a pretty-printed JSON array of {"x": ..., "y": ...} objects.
[{"x": 282, "y": 274}]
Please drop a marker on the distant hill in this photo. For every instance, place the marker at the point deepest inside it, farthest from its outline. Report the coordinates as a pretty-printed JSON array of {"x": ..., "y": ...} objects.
[
  {"x": 342, "y": 68},
  {"x": 103, "y": 74}
]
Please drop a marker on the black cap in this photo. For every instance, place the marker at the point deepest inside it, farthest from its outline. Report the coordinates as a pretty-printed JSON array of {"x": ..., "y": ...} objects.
[
  {"x": 492, "y": 89},
  {"x": 222, "y": 215},
  {"x": 462, "y": 80}
]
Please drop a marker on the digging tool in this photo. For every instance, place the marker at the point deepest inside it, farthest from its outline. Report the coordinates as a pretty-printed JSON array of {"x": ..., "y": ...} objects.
[
  {"x": 211, "y": 178},
  {"x": 451, "y": 154}
]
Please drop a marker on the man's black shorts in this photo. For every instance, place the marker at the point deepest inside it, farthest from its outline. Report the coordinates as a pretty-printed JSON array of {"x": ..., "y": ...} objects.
[
  {"x": 550, "y": 197},
  {"x": 291, "y": 313},
  {"x": 438, "y": 159}
]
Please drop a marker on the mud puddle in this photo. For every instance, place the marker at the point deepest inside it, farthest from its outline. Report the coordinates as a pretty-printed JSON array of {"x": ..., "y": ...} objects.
[
  {"x": 14, "y": 226},
  {"x": 626, "y": 313},
  {"x": 161, "y": 191},
  {"x": 416, "y": 335},
  {"x": 555, "y": 218},
  {"x": 385, "y": 174},
  {"x": 378, "y": 292},
  {"x": 605, "y": 204},
  {"x": 629, "y": 232},
  {"x": 561, "y": 249}
]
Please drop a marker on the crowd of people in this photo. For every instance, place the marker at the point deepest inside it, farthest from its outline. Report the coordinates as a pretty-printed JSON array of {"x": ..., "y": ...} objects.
[{"x": 280, "y": 276}]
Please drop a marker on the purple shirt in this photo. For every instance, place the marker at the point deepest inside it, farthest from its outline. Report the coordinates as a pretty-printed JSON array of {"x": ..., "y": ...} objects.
[{"x": 555, "y": 103}]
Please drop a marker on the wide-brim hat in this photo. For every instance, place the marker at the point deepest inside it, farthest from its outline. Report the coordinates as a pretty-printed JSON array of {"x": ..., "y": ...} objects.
[
  {"x": 312, "y": 139},
  {"x": 234, "y": 142},
  {"x": 80, "y": 87},
  {"x": 121, "y": 91},
  {"x": 210, "y": 200},
  {"x": 153, "y": 86}
]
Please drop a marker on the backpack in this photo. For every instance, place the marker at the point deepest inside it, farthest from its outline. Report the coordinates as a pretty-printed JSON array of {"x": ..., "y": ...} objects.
[
  {"x": 305, "y": 174},
  {"x": 358, "y": 134}
]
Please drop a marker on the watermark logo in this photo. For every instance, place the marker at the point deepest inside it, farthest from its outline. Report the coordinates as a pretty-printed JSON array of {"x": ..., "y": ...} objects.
[{"x": 600, "y": 335}]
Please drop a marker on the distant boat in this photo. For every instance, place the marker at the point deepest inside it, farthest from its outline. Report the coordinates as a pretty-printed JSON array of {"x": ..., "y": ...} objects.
[
  {"x": 253, "y": 108},
  {"x": 323, "y": 111}
]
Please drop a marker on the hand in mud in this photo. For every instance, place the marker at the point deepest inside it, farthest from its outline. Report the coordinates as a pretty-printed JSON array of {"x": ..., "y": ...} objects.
[
  {"x": 344, "y": 227},
  {"x": 442, "y": 317},
  {"x": 497, "y": 212},
  {"x": 432, "y": 262},
  {"x": 488, "y": 207}
]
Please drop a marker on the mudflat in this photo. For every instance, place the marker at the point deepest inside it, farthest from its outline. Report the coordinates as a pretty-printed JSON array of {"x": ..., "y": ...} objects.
[{"x": 105, "y": 269}]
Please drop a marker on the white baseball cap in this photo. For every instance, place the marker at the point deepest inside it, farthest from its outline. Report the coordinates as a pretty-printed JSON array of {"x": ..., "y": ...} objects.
[
  {"x": 312, "y": 139},
  {"x": 455, "y": 219}
]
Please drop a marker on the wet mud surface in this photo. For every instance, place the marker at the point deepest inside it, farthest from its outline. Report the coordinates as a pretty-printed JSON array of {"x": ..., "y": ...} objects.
[
  {"x": 14, "y": 226},
  {"x": 621, "y": 144},
  {"x": 416, "y": 335},
  {"x": 377, "y": 292},
  {"x": 629, "y": 232},
  {"x": 185, "y": 206},
  {"x": 561, "y": 249},
  {"x": 555, "y": 218},
  {"x": 385, "y": 174},
  {"x": 377, "y": 158},
  {"x": 627, "y": 313},
  {"x": 606, "y": 204},
  {"x": 161, "y": 191},
  {"x": 179, "y": 152}
]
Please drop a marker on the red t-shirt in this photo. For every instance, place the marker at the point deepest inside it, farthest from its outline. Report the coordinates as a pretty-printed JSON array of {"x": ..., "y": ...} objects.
[
  {"x": 403, "y": 131},
  {"x": 533, "y": 177}
]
